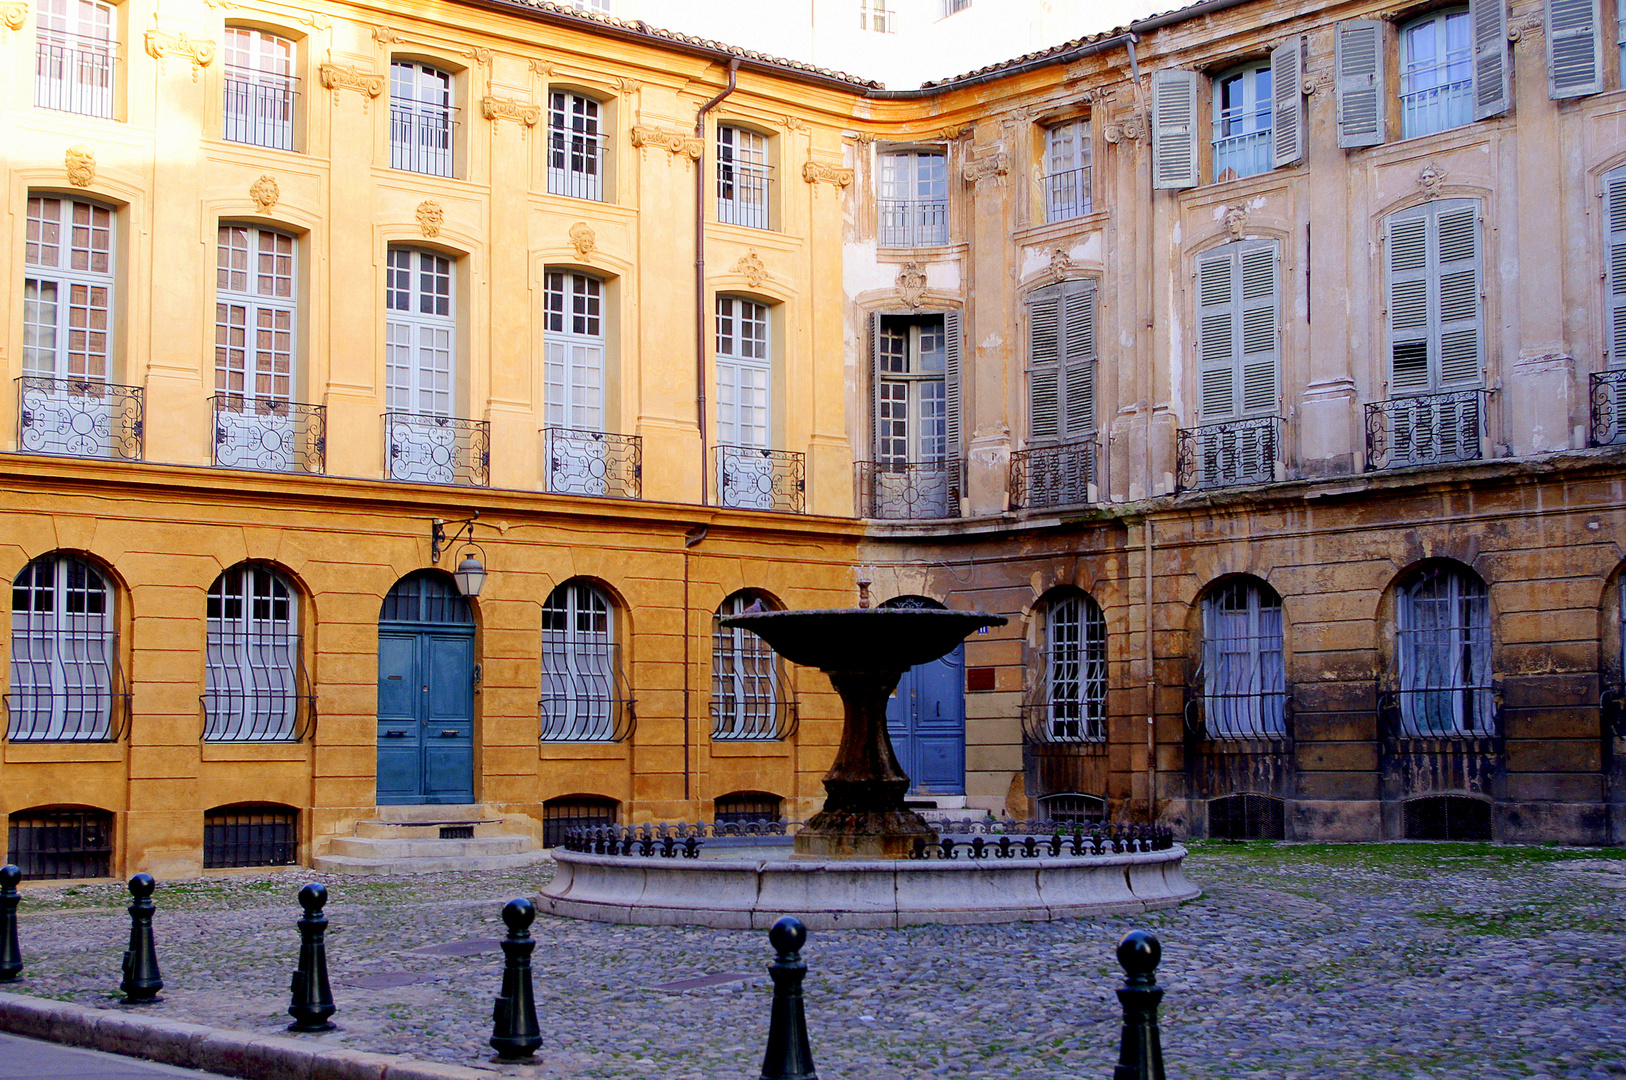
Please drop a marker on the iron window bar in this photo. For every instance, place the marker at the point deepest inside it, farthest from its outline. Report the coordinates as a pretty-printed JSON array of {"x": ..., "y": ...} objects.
[
  {"x": 1608, "y": 407},
  {"x": 756, "y": 478},
  {"x": 427, "y": 449},
  {"x": 1045, "y": 476},
  {"x": 744, "y": 809},
  {"x": 61, "y": 842},
  {"x": 258, "y": 690},
  {"x": 908, "y": 490},
  {"x": 1073, "y": 808},
  {"x": 582, "y": 462},
  {"x": 744, "y": 192},
  {"x": 250, "y": 834},
  {"x": 1470, "y": 712},
  {"x": 913, "y": 222},
  {"x": 259, "y": 107},
  {"x": 1067, "y": 193},
  {"x": 1246, "y": 816},
  {"x": 98, "y": 699},
  {"x": 73, "y": 73},
  {"x": 585, "y": 695},
  {"x": 576, "y": 165},
  {"x": 1429, "y": 429},
  {"x": 752, "y": 700},
  {"x": 1236, "y": 717},
  {"x": 421, "y": 137},
  {"x": 1229, "y": 454},
  {"x": 563, "y": 816},
  {"x": 80, "y": 418},
  {"x": 268, "y": 435}
]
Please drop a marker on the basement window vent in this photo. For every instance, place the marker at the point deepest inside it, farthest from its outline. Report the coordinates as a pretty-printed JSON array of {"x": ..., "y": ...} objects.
[
  {"x": 457, "y": 832},
  {"x": 250, "y": 835},
  {"x": 1245, "y": 817},
  {"x": 743, "y": 806},
  {"x": 61, "y": 843},
  {"x": 559, "y": 815},
  {"x": 1073, "y": 809},
  {"x": 1448, "y": 817}
]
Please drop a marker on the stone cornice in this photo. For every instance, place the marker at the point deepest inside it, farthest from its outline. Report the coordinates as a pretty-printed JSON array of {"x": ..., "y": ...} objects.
[
  {"x": 198, "y": 51},
  {"x": 680, "y": 144},
  {"x": 496, "y": 108},
  {"x": 815, "y": 171}
]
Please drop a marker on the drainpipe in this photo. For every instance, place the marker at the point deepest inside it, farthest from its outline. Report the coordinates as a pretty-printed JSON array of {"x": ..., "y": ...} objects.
[{"x": 700, "y": 279}]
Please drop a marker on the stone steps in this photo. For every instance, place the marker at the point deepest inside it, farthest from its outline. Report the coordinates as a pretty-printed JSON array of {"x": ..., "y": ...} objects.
[{"x": 431, "y": 839}]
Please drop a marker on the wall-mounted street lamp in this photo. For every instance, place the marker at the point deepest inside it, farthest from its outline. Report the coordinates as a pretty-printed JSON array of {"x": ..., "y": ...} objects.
[{"x": 470, "y": 574}]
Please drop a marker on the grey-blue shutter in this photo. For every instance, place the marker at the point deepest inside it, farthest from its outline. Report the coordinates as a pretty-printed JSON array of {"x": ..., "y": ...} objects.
[
  {"x": 1216, "y": 334},
  {"x": 1044, "y": 364},
  {"x": 1492, "y": 94},
  {"x": 1574, "y": 48},
  {"x": 1287, "y": 104},
  {"x": 1358, "y": 64},
  {"x": 1078, "y": 359},
  {"x": 1259, "y": 326},
  {"x": 1614, "y": 208},
  {"x": 1406, "y": 249},
  {"x": 953, "y": 335},
  {"x": 1174, "y": 128},
  {"x": 1456, "y": 258}
]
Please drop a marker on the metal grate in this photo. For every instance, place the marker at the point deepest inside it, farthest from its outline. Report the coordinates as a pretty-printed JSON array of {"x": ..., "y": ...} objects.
[
  {"x": 1073, "y": 809},
  {"x": 457, "y": 832},
  {"x": 250, "y": 834},
  {"x": 1448, "y": 817},
  {"x": 61, "y": 843},
  {"x": 1246, "y": 817},
  {"x": 742, "y": 806},
  {"x": 561, "y": 815}
]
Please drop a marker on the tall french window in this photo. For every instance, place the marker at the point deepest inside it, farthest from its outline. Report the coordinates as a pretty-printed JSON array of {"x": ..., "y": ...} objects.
[
  {"x": 575, "y": 146},
  {"x": 62, "y": 650},
  {"x": 260, "y": 88},
  {"x": 1073, "y": 669},
  {"x": 75, "y": 52}
]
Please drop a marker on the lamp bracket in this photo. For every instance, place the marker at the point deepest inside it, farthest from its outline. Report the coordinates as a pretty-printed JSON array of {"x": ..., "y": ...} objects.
[{"x": 438, "y": 540}]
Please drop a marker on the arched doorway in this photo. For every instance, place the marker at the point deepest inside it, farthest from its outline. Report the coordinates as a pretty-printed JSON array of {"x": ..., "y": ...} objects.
[
  {"x": 425, "y": 693},
  {"x": 926, "y": 718}
]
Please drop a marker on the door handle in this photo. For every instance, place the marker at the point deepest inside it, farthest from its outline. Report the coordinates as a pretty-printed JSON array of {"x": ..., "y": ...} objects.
[
  {"x": 450, "y": 733},
  {"x": 395, "y": 734}
]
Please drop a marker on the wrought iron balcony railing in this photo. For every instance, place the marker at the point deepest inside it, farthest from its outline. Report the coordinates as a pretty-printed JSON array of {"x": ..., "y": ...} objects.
[
  {"x": 271, "y": 436},
  {"x": 575, "y": 165},
  {"x": 1469, "y": 709},
  {"x": 66, "y": 686},
  {"x": 256, "y": 689},
  {"x": 1237, "y": 716},
  {"x": 913, "y": 222},
  {"x": 1053, "y": 475},
  {"x": 1067, "y": 193},
  {"x": 437, "y": 449},
  {"x": 421, "y": 138},
  {"x": 1609, "y": 407},
  {"x": 74, "y": 73},
  {"x": 744, "y": 194},
  {"x": 259, "y": 108},
  {"x": 909, "y": 490},
  {"x": 594, "y": 463},
  {"x": 80, "y": 418},
  {"x": 1228, "y": 454},
  {"x": 1236, "y": 156},
  {"x": 1431, "y": 429},
  {"x": 752, "y": 478}
]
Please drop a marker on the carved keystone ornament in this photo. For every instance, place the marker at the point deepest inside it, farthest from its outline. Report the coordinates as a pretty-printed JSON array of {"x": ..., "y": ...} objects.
[
  {"x": 80, "y": 161},
  {"x": 430, "y": 218},
  {"x": 265, "y": 193}
]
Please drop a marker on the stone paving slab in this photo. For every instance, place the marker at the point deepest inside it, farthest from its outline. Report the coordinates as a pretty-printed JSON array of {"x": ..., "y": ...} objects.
[{"x": 1357, "y": 962}]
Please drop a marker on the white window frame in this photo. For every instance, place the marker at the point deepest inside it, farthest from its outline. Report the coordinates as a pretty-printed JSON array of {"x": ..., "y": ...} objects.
[
  {"x": 1242, "y": 133},
  {"x": 1244, "y": 676},
  {"x": 256, "y": 313},
  {"x": 744, "y": 177},
  {"x": 70, "y": 254},
  {"x": 579, "y": 691},
  {"x": 744, "y": 372},
  {"x": 1443, "y": 654},
  {"x": 874, "y": 15},
  {"x": 251, "y": 674},
  {"x": 1073, "y": 665},
  {"x": 1069, "y": 175},
  {"x": 76, "y": 50},
  {"x": 745, "y": 678},
  {"x": 576, "y": 146},
  {"x": 1437, "y": 93},
  {"x": 420, "y": 332},
  {"x": 574, "y": 345},
  {"x": 913, "y": 210},
  {"x": 421, "y": 118},
  {"x": 911, "y": 409},
  {"x": 63, "y": 645},
  {"x": 260, "y": 88}
]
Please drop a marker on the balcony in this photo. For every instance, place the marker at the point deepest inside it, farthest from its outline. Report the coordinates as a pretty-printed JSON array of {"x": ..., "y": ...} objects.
[
  {"x": 437, "y": 449},
  {"x": 594, "y": 463},
  {"x": 1067, "y": 193},
  {"x": 79, "y": 418},
  {"x": 743, "y": 194},
  {"x": 913, "y": 222},
  {"x": 74, "y": 73},
  {"x": 752, "y": 478},
  {"x": 1228, "y": 454},
  {"x": 575, "y": 166},
  {"x": 909, "y": 490},
  {"x": 1609, "y": 407},
  {"x": 1044, "y": 476},
  {"x": 1432, "y": 429},
  {"x": 421, "y": 138},
  {"x": 269, "y": 436},
  {"x": 259, "y": 108},
  {"x": 1236, "y": 156}
]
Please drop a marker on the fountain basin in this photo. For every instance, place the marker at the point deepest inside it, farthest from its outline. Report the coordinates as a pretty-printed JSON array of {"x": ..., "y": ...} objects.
[{"x": 749, "y": 893}]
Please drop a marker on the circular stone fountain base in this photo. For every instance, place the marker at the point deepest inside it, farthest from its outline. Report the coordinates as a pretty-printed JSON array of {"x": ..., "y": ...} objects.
[{"x": 750, "y": 893}]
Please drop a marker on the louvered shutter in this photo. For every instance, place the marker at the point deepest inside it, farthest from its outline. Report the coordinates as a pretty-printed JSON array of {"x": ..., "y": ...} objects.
[
  {"x": 1078, "y": 359},
  {"x": 1408, "y": 257},
  {"x": 1174, "y": 129},
  {"x": 1492, "y": 96},
  {"x": 1358, "y": 62},
  {"x": 953, "y": 332},
  {"x": 1287, "y": 104},
  {"x": 1044, "y": 363},
  {"x": 1259, "y": 306},
  {"x": 1574, "y": 48},
  {"x": 1456, "y": 253},
  {"x": 1614, "y": 205},
  {"x": 1216, "y": 321}
]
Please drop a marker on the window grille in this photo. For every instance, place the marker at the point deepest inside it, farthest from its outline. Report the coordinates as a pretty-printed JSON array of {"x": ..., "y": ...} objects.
[
  {"x": 250, "y": 834},
  {"x": 1243, "y": 680},
  {"x": 739, "y": 807},
  {"x": 1068, "y": 701},
  {"x": 254, "y": 673},
  {"x": 575, "y": 147},
  {"x": 574, "y": 811},
  {"x": 74, "y": 57},
  {"x": 750, "y": 699},
  {"x": 743, "y": 177},
  {"x": 61, "y": 842},
  {"x": 260, "y": 89},
  {"x": 1442, "y": 655},
  {"x": 1447, "y": 817},
  {"x": 426, "y": 597},
  {"x": 420, "y": 119},
  {"x": 1246, "y": 817},
  {"x": 584, "y": 693},
  {"x": 65, "y": 681},
  {"x": 1073, "y": 809}
]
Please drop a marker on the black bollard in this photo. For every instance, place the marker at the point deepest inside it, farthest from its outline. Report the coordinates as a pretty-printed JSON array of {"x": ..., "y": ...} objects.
[
  {"x": 141, "y": 981},
  {"x": 514, "y": 1030},
  {"x": 788, "y": 1056},
  {"x": 312, "y": 1003},
  {"x": 11, "y": 957},
  {"x": 1140, "y": 1050}
]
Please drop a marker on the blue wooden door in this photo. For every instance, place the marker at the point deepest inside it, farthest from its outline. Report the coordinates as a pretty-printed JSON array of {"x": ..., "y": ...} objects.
[
  {"x": 926, "y": 720},
  {"x": 426, "y": 717}
]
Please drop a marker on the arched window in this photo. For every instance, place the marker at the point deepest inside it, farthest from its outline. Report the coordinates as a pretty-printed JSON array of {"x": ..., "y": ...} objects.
[
  {"x": 1442, "y": 653},
  {"x": 1436, "y": 73},
  {"x": 251, "y": 683},
  {"x": 250, "y": 834},
  {"x": 575, "y": 146},
  {"x": 420, "y": 118},
  {"x": 260, "y": 86},
  {"x": 62, "y": 653},
  {"x": 740, "y": 807},
  {"x": 426, "y": 596},
  {"x": 1071, "y": 696},
  {"x": 61, "y": 842},
  {"x": 584, "y": 696},
  {"x": 748, "y": 697},
  {"x": 1243, "y": 677}
]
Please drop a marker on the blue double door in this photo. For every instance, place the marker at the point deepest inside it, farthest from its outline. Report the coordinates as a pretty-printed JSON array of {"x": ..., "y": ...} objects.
[
  {"x": 425, "y": 714},
  {"x": 926, "y": 720}
]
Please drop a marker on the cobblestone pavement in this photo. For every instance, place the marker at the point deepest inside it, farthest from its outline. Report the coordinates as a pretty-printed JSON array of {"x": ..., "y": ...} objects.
[{"x": 1300, "y": 961}]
